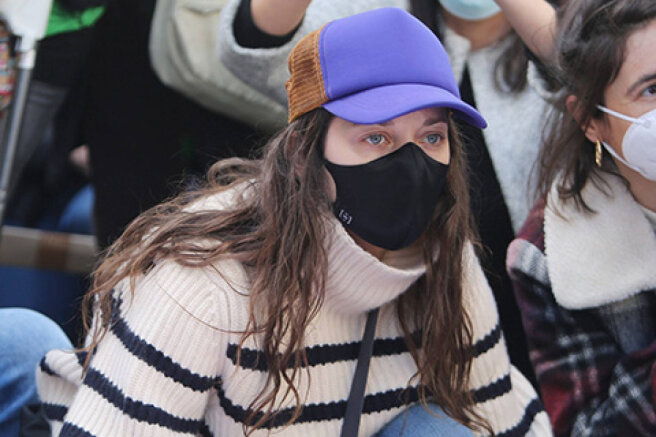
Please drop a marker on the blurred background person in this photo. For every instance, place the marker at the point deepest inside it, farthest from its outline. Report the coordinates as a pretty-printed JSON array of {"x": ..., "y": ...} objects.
[
  {"x": 146, "y": 141},
  {"x": 60, "y": 66}
]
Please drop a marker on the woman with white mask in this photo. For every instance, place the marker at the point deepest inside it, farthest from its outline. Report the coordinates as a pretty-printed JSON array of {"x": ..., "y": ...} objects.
[
  {"x": 491, "y": 65},
  {"x": 584, "y": 264}
]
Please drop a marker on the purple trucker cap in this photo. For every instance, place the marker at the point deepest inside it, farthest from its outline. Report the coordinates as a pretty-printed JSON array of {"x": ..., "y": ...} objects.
[{"x": 379, "y": 65}]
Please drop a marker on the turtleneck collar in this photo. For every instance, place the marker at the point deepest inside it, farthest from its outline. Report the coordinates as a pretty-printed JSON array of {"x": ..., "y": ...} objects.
[{"x": 357, "y": 281}]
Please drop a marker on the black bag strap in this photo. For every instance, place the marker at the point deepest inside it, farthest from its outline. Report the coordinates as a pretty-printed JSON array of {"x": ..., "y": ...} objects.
[{"x": 356, "y": 396}]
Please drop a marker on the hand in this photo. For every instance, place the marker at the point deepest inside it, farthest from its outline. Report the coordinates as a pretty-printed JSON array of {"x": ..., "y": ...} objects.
[{"x": 278, "y": 17}]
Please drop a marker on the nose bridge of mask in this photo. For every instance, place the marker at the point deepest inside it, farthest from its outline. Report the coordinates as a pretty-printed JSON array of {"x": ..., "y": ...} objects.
[
  {"x": 412, "y": 145},
  {"x": 416, "y": 148},
  {"x": 420, "y": 151},
  {"x": 407, "y": 148}
]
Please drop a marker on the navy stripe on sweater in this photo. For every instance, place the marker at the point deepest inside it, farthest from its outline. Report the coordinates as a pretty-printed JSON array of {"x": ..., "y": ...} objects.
[
  {"x": 333, "y": 353},
  {"x": 323, "y": 411},
  {"x": 491, "y": 391},
  {"x": 54, "y": 411},
  {"x": 488, "y": 342},
  {"x": 205, "y": 430},
  {"x": 82, "y": 356},
  {"x": 70, "y": 430},
  {"x": 154, "y": 357},
  {"x": 522, "y": 428},
  {"x": 324, "y": 354},
  {"x": 45, "y": 368},
  {"x": 135, "y": 409}
]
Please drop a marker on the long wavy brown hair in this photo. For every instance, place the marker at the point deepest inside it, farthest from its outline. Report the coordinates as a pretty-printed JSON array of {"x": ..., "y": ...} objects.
[
  {"x": 276, "y": 231},
  {"x": 591, "y": 51}
]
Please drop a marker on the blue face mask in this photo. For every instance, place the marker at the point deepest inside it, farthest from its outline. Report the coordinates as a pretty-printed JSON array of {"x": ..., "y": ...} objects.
[{"x": 471, "y": 9}]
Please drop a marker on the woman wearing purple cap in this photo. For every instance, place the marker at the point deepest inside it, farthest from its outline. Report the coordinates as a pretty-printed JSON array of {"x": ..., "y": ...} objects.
[
  {"x": 240, "y": 308},
  {"x": 492, "y": 68}
]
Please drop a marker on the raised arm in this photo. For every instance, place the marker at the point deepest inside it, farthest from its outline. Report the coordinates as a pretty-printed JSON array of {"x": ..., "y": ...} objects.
[
  {"x": 535, "y": 22},
  {"x": 265, "y": 68}
]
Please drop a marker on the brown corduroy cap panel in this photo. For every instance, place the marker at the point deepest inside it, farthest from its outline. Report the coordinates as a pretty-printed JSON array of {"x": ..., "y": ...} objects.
[{"x": 305, "y": 87}]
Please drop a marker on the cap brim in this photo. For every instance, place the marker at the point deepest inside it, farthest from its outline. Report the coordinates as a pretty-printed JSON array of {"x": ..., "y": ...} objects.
[{"x": 378, "y": 105}]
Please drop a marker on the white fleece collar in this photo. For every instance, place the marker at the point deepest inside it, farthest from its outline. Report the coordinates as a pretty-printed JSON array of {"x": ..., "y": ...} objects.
[
  {"x": 595, "y": 259},
  {"x": 651, "y": 216}
]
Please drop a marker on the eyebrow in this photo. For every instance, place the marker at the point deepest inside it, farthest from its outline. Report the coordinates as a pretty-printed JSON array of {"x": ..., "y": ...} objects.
[
  {"x": 435, "y": 120},
  {"x": 428, "y": 122},
  {"x": 384, "y": 123},
  {"x": 646, "y": 78}
]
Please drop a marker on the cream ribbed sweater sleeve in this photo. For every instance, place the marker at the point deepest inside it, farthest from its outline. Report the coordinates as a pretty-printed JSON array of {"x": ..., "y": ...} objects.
[
  {"x": 502, "y": 394},
  {"x": 154, "y": 371}
]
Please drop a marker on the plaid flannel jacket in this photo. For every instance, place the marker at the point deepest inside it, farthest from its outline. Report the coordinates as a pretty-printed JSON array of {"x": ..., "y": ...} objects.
[{"x": 589, "y": 385}]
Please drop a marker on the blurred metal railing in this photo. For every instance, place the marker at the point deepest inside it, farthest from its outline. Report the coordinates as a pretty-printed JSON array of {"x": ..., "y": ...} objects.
[{"x": 27, "y": 21}]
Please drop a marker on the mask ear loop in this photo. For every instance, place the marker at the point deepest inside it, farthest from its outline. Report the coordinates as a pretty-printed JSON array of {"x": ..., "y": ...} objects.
[
  {"x": 618, "y": 115},
  {"x": 608, "y": 147},
  {"x": 619, "y": 158}
]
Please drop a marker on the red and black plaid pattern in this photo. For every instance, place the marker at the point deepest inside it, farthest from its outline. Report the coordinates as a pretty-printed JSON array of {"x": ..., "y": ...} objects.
[{"x": 589, "y": 386}]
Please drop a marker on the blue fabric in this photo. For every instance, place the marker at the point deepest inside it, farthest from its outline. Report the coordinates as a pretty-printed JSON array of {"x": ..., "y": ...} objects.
[
  {"x": 77, "y": 216},
  {"x": 416, "y": 421},
  {"x": 25, "y": 336},
  {"x": 630, "y": 321},
  {"x": 55, "y": 294}
]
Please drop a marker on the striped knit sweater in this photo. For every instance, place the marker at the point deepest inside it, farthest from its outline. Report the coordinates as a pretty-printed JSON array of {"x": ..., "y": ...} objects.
[{"x": 168, "y": 365}]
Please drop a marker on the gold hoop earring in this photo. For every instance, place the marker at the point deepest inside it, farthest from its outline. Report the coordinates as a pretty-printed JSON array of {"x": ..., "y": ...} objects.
[{"x": 598, "y": 153}]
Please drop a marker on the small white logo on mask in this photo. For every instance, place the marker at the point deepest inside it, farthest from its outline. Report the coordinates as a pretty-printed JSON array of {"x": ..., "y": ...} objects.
[{"x": 345, "y": 217}]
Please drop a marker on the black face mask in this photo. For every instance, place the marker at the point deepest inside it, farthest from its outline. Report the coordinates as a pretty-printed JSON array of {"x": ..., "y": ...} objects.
[{"x": 389, "y": 202}]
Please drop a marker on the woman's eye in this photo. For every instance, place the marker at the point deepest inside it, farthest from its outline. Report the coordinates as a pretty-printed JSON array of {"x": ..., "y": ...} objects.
[
  {"x": 650, "y": 90},
  {"x": 375, "y": 139},
  {"x": 433, "y": 138}
]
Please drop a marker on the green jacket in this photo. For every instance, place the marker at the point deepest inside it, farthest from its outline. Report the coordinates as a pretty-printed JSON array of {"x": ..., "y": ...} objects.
[{"x": 62, "y": 20}]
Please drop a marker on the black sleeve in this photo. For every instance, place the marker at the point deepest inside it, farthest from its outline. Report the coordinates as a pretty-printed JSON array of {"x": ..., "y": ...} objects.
[
  {"x": 248, "y": 35},
  {"x": 62, "y": 58},
  {"x": 81, "y": 5}
]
